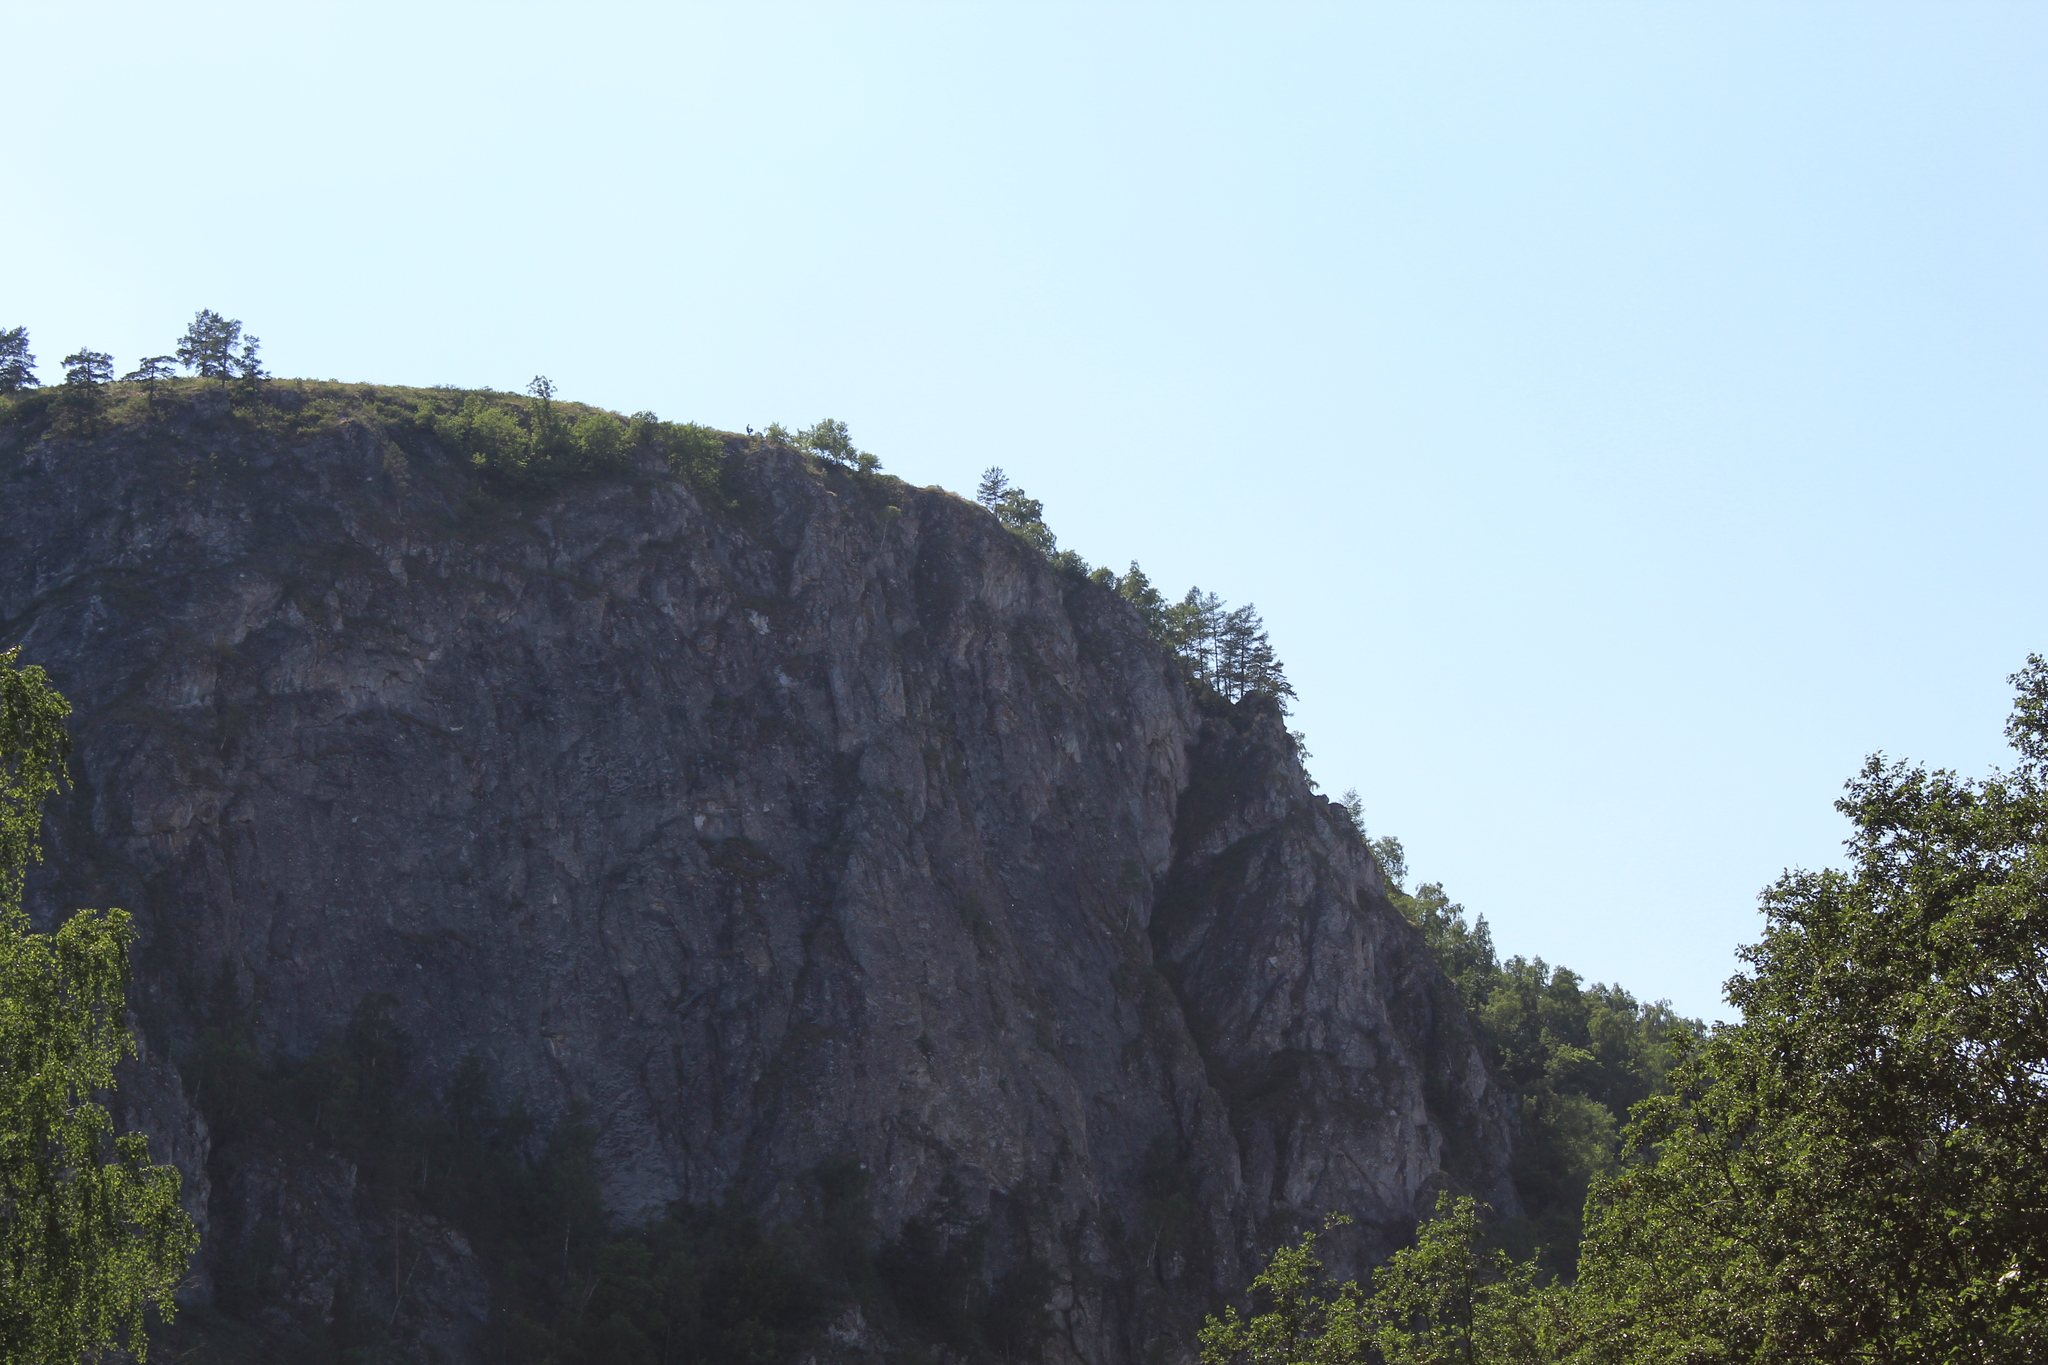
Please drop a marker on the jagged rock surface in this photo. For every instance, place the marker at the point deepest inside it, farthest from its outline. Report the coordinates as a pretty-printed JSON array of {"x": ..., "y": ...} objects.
[{"x": 834, "y": 822}]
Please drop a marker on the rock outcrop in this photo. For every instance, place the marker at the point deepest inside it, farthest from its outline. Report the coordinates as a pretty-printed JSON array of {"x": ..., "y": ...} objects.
[{"x": 821, "y": 818}]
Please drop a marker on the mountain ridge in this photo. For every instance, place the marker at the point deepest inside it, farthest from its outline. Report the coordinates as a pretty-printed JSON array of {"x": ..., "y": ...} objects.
[{"x": 768, "y": 813}]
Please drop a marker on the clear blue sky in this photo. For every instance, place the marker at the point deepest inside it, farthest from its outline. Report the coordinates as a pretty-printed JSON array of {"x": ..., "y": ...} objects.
[{"x": 1625, "y": 416}]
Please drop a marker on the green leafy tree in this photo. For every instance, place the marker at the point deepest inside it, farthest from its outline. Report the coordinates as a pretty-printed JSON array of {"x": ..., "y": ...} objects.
[
  {"x": 1072, "y": 562},
  {"x": 829, "y": 440},
  {"x": 151, "y": 372},
  {"x": 1024, "y": 516},
  {"x": 487, "y": 431},
  {"x": 208, "y": 346},
  {"x": 1192, "y": 625},
  {"x": 1447, "y": 1300},
  {"x": 1020, "y": 514},
  {"x": 1464, "y": 950},
  {"x": 247, "y": 364},
  {"x": 550, "y": 440},
  {"x": 1575, "y": 1056},
  {"x": 151, "y": 369},
  {"x": 602, "y": 441},
  {"x": 17, "y": 365},
  {"x": 1854, "y": 1172},
  {"x": 1354, "y": 809},
  {"x": 1226, "y": 650},
  {"x": 91, "y": 1234},
  {"x": 88, "y": 369},
  {"x": 1393, "y": 860},
  {"x": 33, "y": 746},
  {"x": 1306, "y": 1322},
  {"x": 1244, "y": 661},
  {"x": 695, "y": 454},
  {"x": 1135, "y": 588},
  {"x": 1386, "y": 851},
  {"x": 483, "y": 433},
  {"x": 86, "y": 375}
]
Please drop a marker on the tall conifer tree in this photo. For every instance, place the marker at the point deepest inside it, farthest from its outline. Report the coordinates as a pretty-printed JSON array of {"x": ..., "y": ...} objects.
[
  {"x": 208, "y": 346},
  {"x": 17, "y": 365},
  {"x": 86, "y": 375}
]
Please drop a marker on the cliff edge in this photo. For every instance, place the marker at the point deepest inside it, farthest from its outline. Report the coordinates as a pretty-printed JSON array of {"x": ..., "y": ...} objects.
[{"x": 809, "y": 818}]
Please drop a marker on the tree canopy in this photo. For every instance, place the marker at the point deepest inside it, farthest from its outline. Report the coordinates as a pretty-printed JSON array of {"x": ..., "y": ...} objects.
[
  {"x": 1855, "y": 1171},
  {"x": 1020, "y": 514},
  {"x": 17, "y": 364},
  {"x": 86, "y": 375},
  {"x": 1851, "y": 1173},
  {"x": 1447, "y": 1300},
  {"x": 90, "y": 1232},
  {"x": 210, "y": 345},
  {"x": 828, "y": 439},
  {"x": 86, "y": 368},
  {"x": 1224, "y": 647}
]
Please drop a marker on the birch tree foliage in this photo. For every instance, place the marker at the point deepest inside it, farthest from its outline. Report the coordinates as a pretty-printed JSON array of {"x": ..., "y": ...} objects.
[{"x": 91, "y": 1233}]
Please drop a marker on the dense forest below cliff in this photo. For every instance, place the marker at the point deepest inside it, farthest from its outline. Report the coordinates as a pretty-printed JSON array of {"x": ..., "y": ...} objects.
[{"x": 1670, "y": 1192}]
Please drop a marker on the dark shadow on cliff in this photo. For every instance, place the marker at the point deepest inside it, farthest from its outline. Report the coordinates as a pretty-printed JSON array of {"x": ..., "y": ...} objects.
[{"x": 567, "y": 1281}]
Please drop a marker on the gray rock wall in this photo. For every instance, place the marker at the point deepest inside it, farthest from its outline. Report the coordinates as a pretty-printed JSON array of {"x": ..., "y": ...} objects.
[{"x": 831, "y": 823}]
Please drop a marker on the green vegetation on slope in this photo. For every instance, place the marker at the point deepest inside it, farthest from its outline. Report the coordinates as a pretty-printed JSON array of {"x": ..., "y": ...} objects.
[
  {"x": 1222, "y": 650},
  {"x": 525, "y": 443},
  {"x": 1577, "y": 1057},
  {"x": 1852, "y": 1172}
]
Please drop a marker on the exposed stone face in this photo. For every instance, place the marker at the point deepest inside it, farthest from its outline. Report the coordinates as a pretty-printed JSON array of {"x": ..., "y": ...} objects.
[
  {"x": 1340, "y": 1051},
  {"x": 834, "y": 823}
]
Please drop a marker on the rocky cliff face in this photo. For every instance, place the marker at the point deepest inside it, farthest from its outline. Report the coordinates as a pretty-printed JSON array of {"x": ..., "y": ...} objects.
[{"x": 821, "y": 819}]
